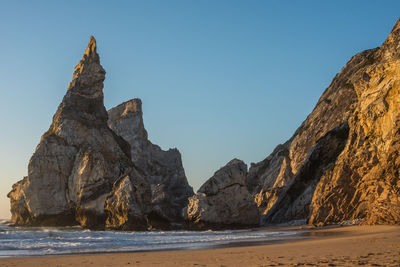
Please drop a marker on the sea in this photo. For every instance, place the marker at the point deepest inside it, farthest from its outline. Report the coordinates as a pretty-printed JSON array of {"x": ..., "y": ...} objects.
[{"x": 42, "y": 241}]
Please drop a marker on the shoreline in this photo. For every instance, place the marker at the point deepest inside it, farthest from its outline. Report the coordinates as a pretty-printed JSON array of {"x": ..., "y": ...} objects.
[
  {"x": 341, "y": 246},
  {"x": 300, "y": 232}
]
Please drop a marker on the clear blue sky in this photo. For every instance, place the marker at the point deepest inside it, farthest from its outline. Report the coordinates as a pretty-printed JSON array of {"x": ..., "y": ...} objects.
[{"x": 218, "y": 79}]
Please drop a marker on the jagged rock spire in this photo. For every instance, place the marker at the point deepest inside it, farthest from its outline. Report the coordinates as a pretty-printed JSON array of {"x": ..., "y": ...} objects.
[
  {"x": 78, "y": 161},
  {"x": 84, "y": 100},
  {"x": 88, "y": 75}
]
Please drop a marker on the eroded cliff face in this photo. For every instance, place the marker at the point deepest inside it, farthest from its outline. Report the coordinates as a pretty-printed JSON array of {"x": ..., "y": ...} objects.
[
  {"x": 77, "y": 161},
  {"x": 268, "y": 178},
  {"x": 163, "y": 170},
  {"x": 364, "y": 183},
  {"x": 294, "y": 202},
  {"x": 361, "y": 181},
  {"x": 223, "y": 201}
]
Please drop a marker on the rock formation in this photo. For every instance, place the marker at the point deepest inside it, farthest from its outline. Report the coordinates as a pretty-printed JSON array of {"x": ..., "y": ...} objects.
[
  {"x": 128, "y": 203},
  {"x": 163, "y": 169},
  {"x": 99, "y": 169},
  {"x": 80, "y": 163},
  {"x": 364, "y": 183},
  {"x": 294, "y": 202},
  {"x": 223, "y": 200},
  {"x": 342, "y": 163}
]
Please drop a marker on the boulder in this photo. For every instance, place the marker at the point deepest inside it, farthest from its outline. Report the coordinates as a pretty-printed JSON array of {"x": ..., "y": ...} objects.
[{"x": 223, "y": 201}]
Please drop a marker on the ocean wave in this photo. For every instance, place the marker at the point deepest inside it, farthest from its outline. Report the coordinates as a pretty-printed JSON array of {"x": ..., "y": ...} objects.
[{"x": 26, "y": 241}]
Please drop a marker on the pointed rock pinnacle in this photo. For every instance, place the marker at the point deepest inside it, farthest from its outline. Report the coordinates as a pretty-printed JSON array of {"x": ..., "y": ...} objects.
[
  {"x": 83, "y": 101},
  {"x": 91, "y": 48},
  {"x": 88, "y": 74}
]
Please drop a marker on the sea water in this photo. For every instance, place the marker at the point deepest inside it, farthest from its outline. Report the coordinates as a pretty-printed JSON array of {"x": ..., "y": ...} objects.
[{"x": 38, "y": 241}]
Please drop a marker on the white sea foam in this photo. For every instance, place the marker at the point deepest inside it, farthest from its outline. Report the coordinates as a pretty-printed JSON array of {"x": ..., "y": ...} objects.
[{"x": 23, "y": 241}]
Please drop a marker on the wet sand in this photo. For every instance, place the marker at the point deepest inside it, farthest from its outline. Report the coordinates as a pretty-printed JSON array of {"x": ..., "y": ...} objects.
[{"x": 336, "y": 246}]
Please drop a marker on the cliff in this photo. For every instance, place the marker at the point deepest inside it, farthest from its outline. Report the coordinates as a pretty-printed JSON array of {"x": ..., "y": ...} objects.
[{"x": 342, "y": 163}]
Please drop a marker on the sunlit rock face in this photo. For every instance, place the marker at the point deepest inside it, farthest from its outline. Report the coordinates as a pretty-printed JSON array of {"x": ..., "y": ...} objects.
[
  {"x": 223, "y": 201},
  {"x": 163, "y": 170},
  {"x": 128, "y": 204},
  {"x": 322, "y": 177},
  {"x": 364, "y": 183},
  {"x": 78, "y": 161},
  {"x": 293, "y": 203}
]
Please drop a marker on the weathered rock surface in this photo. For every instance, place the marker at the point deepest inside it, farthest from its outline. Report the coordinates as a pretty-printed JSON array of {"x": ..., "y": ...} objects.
[
  {"x": 163, "y": 170},
  {"x": 364, "y": 183},
  {"x": 223, "y": 200},
  {"x": 78, "y": 160},
  {"x": 128, "y": 204},
  {"x": 307, "y": 179},
  {"x": 294, "y": 202}
]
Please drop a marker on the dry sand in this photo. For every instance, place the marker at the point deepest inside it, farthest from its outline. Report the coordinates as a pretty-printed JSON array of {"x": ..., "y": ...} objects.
[{"x": 340, "y": 246}]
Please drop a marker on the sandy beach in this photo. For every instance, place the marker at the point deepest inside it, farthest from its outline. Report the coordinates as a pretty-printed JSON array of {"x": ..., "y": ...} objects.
[{"x": 336, "y": 246}]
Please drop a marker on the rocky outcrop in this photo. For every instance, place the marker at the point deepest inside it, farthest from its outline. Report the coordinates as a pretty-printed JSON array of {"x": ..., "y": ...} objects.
[
  {"x": 293, "y": 204},
  {"x": 268, "y": 178},
  {"x": 223, "y": 200},
  {"x": 341, "y": 178},
  {"x": 80, "y": 163},
  {"x": 128, "y": 204},
  {"x": 163, "y": 169},
  {"x": 364, "y": 183}
]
